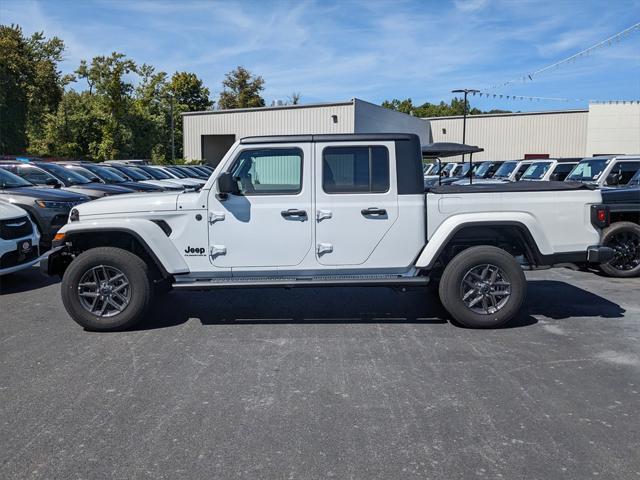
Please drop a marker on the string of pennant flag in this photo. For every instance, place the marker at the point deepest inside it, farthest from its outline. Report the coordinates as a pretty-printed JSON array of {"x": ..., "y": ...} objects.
[{"x": 529, "y": 77}]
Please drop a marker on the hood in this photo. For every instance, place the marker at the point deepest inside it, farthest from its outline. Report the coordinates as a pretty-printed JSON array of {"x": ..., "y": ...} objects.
[
  {"x": 629, "y": 194},
  {"x": 44, "y": 193},
  {"x": 139, "y": 186},
  {"x": 107, "y": 188},
  {"x": 8, "y": 211},
  {"x": 130, "y": 203}
]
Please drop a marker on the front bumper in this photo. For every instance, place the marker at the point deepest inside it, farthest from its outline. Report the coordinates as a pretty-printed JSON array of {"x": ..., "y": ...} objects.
[
  {"x": 54, "y": 262},
  {"x": 13, "y": 260},
  {"x": 599, "y": 254}
]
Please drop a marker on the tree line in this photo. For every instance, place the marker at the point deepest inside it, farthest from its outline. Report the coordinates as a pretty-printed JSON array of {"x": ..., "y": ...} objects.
[
  {"x": 112, "y": 107},
  {"x": 442, "y": 109}
]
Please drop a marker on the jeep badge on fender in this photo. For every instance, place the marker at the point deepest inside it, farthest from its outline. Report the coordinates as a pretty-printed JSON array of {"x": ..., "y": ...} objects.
[{"x": 190, "y": 251}]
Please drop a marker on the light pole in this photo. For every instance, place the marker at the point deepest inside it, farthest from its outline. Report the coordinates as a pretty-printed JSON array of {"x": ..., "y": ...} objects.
[
  {"x": 466, "y": 91},
  {"x": 173, "y": 145}
]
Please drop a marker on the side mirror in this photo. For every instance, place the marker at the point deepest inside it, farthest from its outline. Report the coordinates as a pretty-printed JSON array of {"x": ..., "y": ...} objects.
[
  {"x": 227, "y": 184},
  {"x": 554, "y": 177},
  {"x": 613, "y": 179},
  {"x": 52, "y": 182}
]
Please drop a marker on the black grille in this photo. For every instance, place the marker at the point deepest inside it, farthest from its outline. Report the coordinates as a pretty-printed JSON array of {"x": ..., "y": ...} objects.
[
  {"x": 15, "y": 228},
  {"x": 11, "y": 259}
]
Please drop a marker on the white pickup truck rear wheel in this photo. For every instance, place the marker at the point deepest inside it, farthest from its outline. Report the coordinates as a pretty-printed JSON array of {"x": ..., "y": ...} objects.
[
  {"x": 483, "y": 287},
  {"x": 107, "y": 289}
]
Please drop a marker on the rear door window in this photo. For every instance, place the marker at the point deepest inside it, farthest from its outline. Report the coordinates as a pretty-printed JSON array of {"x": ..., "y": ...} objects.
[{"x": 355, "y": 169}]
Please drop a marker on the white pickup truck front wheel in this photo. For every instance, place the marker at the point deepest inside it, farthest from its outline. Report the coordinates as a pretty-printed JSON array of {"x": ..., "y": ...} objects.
[
  {"x": 483, "y": 287},
  {"x": 106, "y": 289}
]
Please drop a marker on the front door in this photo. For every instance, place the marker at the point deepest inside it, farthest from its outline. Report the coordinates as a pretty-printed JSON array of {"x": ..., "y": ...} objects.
[
  {"x": 356, "y": 200},
  {"x": 269, "y": 223}
]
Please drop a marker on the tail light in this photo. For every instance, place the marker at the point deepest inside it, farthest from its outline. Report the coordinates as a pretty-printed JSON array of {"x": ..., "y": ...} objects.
[{"x": 600, "y": 216}]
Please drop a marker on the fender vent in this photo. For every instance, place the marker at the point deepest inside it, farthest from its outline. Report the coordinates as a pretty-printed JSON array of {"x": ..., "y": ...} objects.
[{"x": 164, "y": 226}]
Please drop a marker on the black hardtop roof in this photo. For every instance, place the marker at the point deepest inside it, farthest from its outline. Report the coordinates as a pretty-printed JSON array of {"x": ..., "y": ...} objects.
[{"x": 331, "y": 137}]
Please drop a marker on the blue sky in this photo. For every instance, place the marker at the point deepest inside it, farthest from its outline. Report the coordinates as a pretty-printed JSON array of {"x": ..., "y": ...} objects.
[{"x": 372, "y": 50}]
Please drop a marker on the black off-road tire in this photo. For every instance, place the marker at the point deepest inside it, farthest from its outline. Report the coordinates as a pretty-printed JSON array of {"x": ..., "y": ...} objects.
[
  {"x": 615, "y": 267},
  {"x": 451, "y": 290},
  {"x": 137, "y": 274}
]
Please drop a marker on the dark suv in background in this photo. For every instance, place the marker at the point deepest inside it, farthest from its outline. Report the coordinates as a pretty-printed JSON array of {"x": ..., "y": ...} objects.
[
  {"x": 97, "y": 173},
  {"x": 56, "y": 176},
  {"x": 48, "y": 207}
]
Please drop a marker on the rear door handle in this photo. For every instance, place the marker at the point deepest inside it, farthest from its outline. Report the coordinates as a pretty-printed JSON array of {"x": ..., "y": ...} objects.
[
  {"x": 373, "y": 212},
  {"x": 292, "y": 212}
]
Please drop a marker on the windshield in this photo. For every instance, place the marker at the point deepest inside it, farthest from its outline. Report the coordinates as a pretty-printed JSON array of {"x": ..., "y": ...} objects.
[
  {"x": 109, "y": 175},
  {"x": 156, "y": 173},
  {"x": 483, "y": 169},
  {"x": 464, "y": 169},
  {"x": 135, "y": 173},
  {"x": 448, "y": 167},
  {"x": 536, "y": 171},
  {"x": 176, "y": 171},
  {"x": 505, "y": 169},
  {"x": 9, "y": 180},
  {"x": 587, "y": 171},
  {"x": 67, "y": 176}
]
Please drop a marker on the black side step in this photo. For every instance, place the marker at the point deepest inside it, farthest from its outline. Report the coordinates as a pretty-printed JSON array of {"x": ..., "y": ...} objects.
[{"x": 325, "y": 281}]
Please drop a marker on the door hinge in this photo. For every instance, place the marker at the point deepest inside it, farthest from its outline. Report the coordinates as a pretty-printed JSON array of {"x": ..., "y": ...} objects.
[
  {"x": 322, "y": 214},
  {"x": 323, "y": 248},
  {"x": 217, "y": 250},
  {"x": 215, "y": 217}
]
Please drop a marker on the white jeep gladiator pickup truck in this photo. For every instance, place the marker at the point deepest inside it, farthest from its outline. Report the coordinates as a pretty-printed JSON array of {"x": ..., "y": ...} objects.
[{"x": 324, "y": 210}]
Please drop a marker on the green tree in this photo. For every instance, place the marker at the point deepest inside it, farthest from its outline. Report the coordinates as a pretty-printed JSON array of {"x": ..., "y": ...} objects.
[
  {"x": 31, "y": 86},
  {"x": 189, "y": 95},
  {"x": 442, "y": 109},
  {"x": 241, "y": 89},
  {"x": 107, "y": 80}
]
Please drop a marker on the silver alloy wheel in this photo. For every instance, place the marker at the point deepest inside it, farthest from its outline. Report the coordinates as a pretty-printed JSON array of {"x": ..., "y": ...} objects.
[
  {"x": 104, "y": 291},
  {"x": 485, "y": 289}
]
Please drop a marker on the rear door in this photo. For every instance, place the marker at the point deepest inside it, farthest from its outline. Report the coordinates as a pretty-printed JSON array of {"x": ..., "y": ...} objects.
[{"x": 356, "y": 200}]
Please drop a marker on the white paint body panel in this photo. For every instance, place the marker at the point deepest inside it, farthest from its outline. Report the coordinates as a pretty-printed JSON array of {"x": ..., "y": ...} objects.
[
  {"x": 558, "y": 221},
  {"x": 10, "y": 212}
]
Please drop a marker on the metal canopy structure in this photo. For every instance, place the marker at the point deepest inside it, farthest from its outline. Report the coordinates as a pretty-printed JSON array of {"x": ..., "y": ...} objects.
[{"x": 448, "y": 149}]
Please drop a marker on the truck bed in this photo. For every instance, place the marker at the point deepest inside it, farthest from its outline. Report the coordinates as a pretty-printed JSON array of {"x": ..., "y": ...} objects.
[{"x": 523, "y": 186}]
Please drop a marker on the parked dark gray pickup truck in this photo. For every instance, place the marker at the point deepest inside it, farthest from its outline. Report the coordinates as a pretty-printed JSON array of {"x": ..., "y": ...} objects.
[{"x": 623, "y": 235}]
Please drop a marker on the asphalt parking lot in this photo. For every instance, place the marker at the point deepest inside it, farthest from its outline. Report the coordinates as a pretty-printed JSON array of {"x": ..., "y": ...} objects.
[{"x": 334, "y": 383}]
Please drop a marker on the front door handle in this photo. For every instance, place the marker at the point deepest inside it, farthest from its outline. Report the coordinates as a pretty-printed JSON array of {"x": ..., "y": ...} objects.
[
  {"x": 292, "y": 212},
  {"x": 373, "y": 212}
]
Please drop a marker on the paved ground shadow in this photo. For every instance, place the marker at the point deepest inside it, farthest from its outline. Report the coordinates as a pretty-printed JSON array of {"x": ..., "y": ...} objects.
[
  {"x": 24, "y": 281},
  {"x": 560, "y": 300},
  {"x": 306, "y": 305}
]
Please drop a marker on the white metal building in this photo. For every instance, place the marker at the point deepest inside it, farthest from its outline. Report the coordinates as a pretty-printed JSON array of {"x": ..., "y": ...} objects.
[
  {"x": 605, "y": 128},
  {"x": 208, "y": 135}
]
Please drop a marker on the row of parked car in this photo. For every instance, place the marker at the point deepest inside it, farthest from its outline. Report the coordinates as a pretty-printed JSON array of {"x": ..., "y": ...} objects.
[
  {"x": 37, "y": 196},
  {"x": 602, "y": 171},
  {"x": 618, "y": 176}
]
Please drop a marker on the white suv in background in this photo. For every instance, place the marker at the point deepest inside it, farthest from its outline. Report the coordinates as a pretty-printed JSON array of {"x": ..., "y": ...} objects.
[
  {"x": 606, "y": 171},
  {"x": 552, "y": 169},
  {"x": 19, "y": 239},
  {"x": 512, "y": 170}
]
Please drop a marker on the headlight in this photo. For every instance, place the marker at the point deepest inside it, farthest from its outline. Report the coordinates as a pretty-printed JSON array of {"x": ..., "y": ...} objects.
[{"x": 55, "y": 204}]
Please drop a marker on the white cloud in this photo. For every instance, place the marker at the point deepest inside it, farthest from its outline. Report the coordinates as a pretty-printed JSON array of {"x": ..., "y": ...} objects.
[{"x": 470, "y": 5}]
